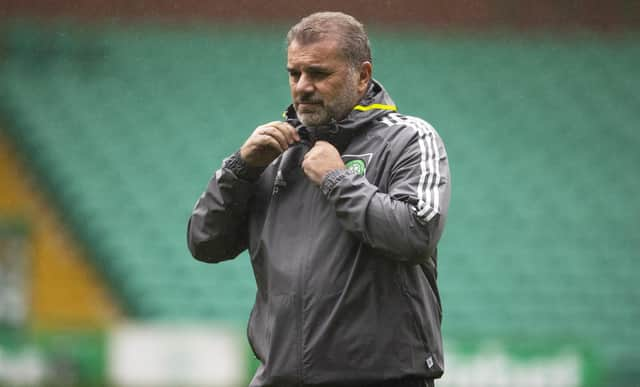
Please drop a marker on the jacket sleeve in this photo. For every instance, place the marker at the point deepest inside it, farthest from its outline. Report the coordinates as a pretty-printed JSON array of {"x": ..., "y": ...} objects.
[
  {"x": 408, "y": 220},
  {"x": 217, "y": 228}
]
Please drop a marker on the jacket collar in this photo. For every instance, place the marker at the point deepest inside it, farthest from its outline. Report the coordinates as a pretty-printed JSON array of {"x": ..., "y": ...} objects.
[{"x": 375, "y": 103}]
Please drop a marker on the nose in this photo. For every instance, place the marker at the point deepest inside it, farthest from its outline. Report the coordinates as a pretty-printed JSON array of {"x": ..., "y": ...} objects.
[{"x": 304, "y": 84}]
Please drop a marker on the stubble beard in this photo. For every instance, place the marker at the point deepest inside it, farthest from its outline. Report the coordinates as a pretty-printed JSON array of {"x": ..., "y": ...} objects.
[{"x": 337, "y": 109}]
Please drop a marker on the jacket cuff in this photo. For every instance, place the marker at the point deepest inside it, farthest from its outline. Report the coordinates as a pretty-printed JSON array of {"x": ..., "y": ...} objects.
[
  {"x": 240, "y": 168},
  {"x": 333, "y": 178}
]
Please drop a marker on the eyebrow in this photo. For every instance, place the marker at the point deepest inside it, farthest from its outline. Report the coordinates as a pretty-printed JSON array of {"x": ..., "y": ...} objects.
[{"x": 310, "y": 68}]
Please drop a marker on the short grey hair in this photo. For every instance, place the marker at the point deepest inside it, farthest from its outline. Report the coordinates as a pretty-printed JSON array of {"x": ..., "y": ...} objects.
[{"x": 349, "y": 32}]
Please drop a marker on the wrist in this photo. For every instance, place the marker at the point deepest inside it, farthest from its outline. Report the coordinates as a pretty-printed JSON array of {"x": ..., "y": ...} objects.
[
  {"x": 332, "y": 178},
  {"x": 236, "y": 164}
]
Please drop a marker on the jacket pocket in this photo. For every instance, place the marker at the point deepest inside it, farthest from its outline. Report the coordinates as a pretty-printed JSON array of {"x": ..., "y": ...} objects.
[
  {"x": 417, "y": 326},
  {"x": 425, "y": 312}
]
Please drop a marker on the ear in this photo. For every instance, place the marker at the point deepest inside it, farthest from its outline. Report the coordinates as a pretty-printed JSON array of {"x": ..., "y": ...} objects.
[{"x": 364, "y": 76}]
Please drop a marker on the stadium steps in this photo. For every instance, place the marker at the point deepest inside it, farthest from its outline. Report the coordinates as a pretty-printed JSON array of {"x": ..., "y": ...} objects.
[{"x": 64, "y": 288}]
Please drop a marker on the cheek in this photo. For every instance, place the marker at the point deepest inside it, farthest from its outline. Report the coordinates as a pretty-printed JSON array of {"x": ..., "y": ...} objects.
[{"x": 328, "y": 90}]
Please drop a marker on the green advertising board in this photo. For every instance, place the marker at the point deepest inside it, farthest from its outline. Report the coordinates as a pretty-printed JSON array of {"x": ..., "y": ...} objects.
[
  {"x": 52, "y": 358},
  {"x": 520, "y": 362}
]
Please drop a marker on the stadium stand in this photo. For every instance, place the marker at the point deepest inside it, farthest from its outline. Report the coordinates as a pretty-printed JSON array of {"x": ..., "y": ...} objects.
[
  {"x": 59, "y": 270},
  {"x": 124, "y": 125}
]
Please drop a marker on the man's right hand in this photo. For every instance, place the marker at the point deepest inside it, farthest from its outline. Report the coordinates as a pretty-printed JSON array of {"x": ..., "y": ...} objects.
[{"x": 267, "y": 142}]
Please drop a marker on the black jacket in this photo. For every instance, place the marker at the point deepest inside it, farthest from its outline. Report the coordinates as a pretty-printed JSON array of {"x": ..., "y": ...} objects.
[{"x": 345, "y": 272}]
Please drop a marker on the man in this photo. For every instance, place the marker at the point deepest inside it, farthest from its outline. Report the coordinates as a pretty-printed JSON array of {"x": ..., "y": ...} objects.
[{"x": 341, "y": 207}]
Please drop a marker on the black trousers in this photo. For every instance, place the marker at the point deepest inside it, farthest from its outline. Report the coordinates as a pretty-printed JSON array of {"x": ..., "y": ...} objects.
[{"x": 404, "y": 383}]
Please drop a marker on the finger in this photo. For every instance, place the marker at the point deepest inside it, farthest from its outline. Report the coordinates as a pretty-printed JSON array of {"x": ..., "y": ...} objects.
[
  {"x": 266, "y": 141},
  {"x": 289, "y": 131},
  {"x": 305, "y": 167},
  {"x": 272, "y": 123},
  {"x": 262, "y": 139},
  {"x": 323, "y": 144},
  {"x": 262, "y": 128},
  {"x": 309, "y": 154},
  {"x": 275, "y": 133},
  {"x": 326, "y": 148}
]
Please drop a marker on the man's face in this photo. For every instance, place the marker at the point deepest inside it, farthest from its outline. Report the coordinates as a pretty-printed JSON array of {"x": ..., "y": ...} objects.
[{"x": 323, "y": 84}]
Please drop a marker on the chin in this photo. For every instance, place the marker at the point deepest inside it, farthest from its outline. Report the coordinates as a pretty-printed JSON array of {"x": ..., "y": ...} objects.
[{"x": 313, "y": 119}]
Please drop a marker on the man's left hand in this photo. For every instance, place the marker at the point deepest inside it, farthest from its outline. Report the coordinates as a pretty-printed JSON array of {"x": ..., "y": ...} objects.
[{"x": 320, "y": 160}]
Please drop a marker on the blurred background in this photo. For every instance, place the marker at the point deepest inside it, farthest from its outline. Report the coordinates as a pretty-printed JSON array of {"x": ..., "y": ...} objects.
[{"x": 114, "y": 115}]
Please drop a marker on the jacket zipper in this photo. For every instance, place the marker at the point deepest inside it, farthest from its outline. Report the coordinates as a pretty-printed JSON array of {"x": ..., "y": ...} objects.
[
  {"x": 301, "y": 286},
  {"x": 300, "y": 319}
]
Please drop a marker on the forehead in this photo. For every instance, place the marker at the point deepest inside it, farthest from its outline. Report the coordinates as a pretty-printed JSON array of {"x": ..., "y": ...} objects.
[{"x": 323, "y": 52}]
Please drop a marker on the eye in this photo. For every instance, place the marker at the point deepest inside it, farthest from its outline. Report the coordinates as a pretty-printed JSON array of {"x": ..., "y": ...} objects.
[
  {"x": 318, "y": 74},
  {"x": 294, "y": 74}
]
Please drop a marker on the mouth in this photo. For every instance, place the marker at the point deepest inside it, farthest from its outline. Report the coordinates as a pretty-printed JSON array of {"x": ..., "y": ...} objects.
[{"x": 308, "y": 105}]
